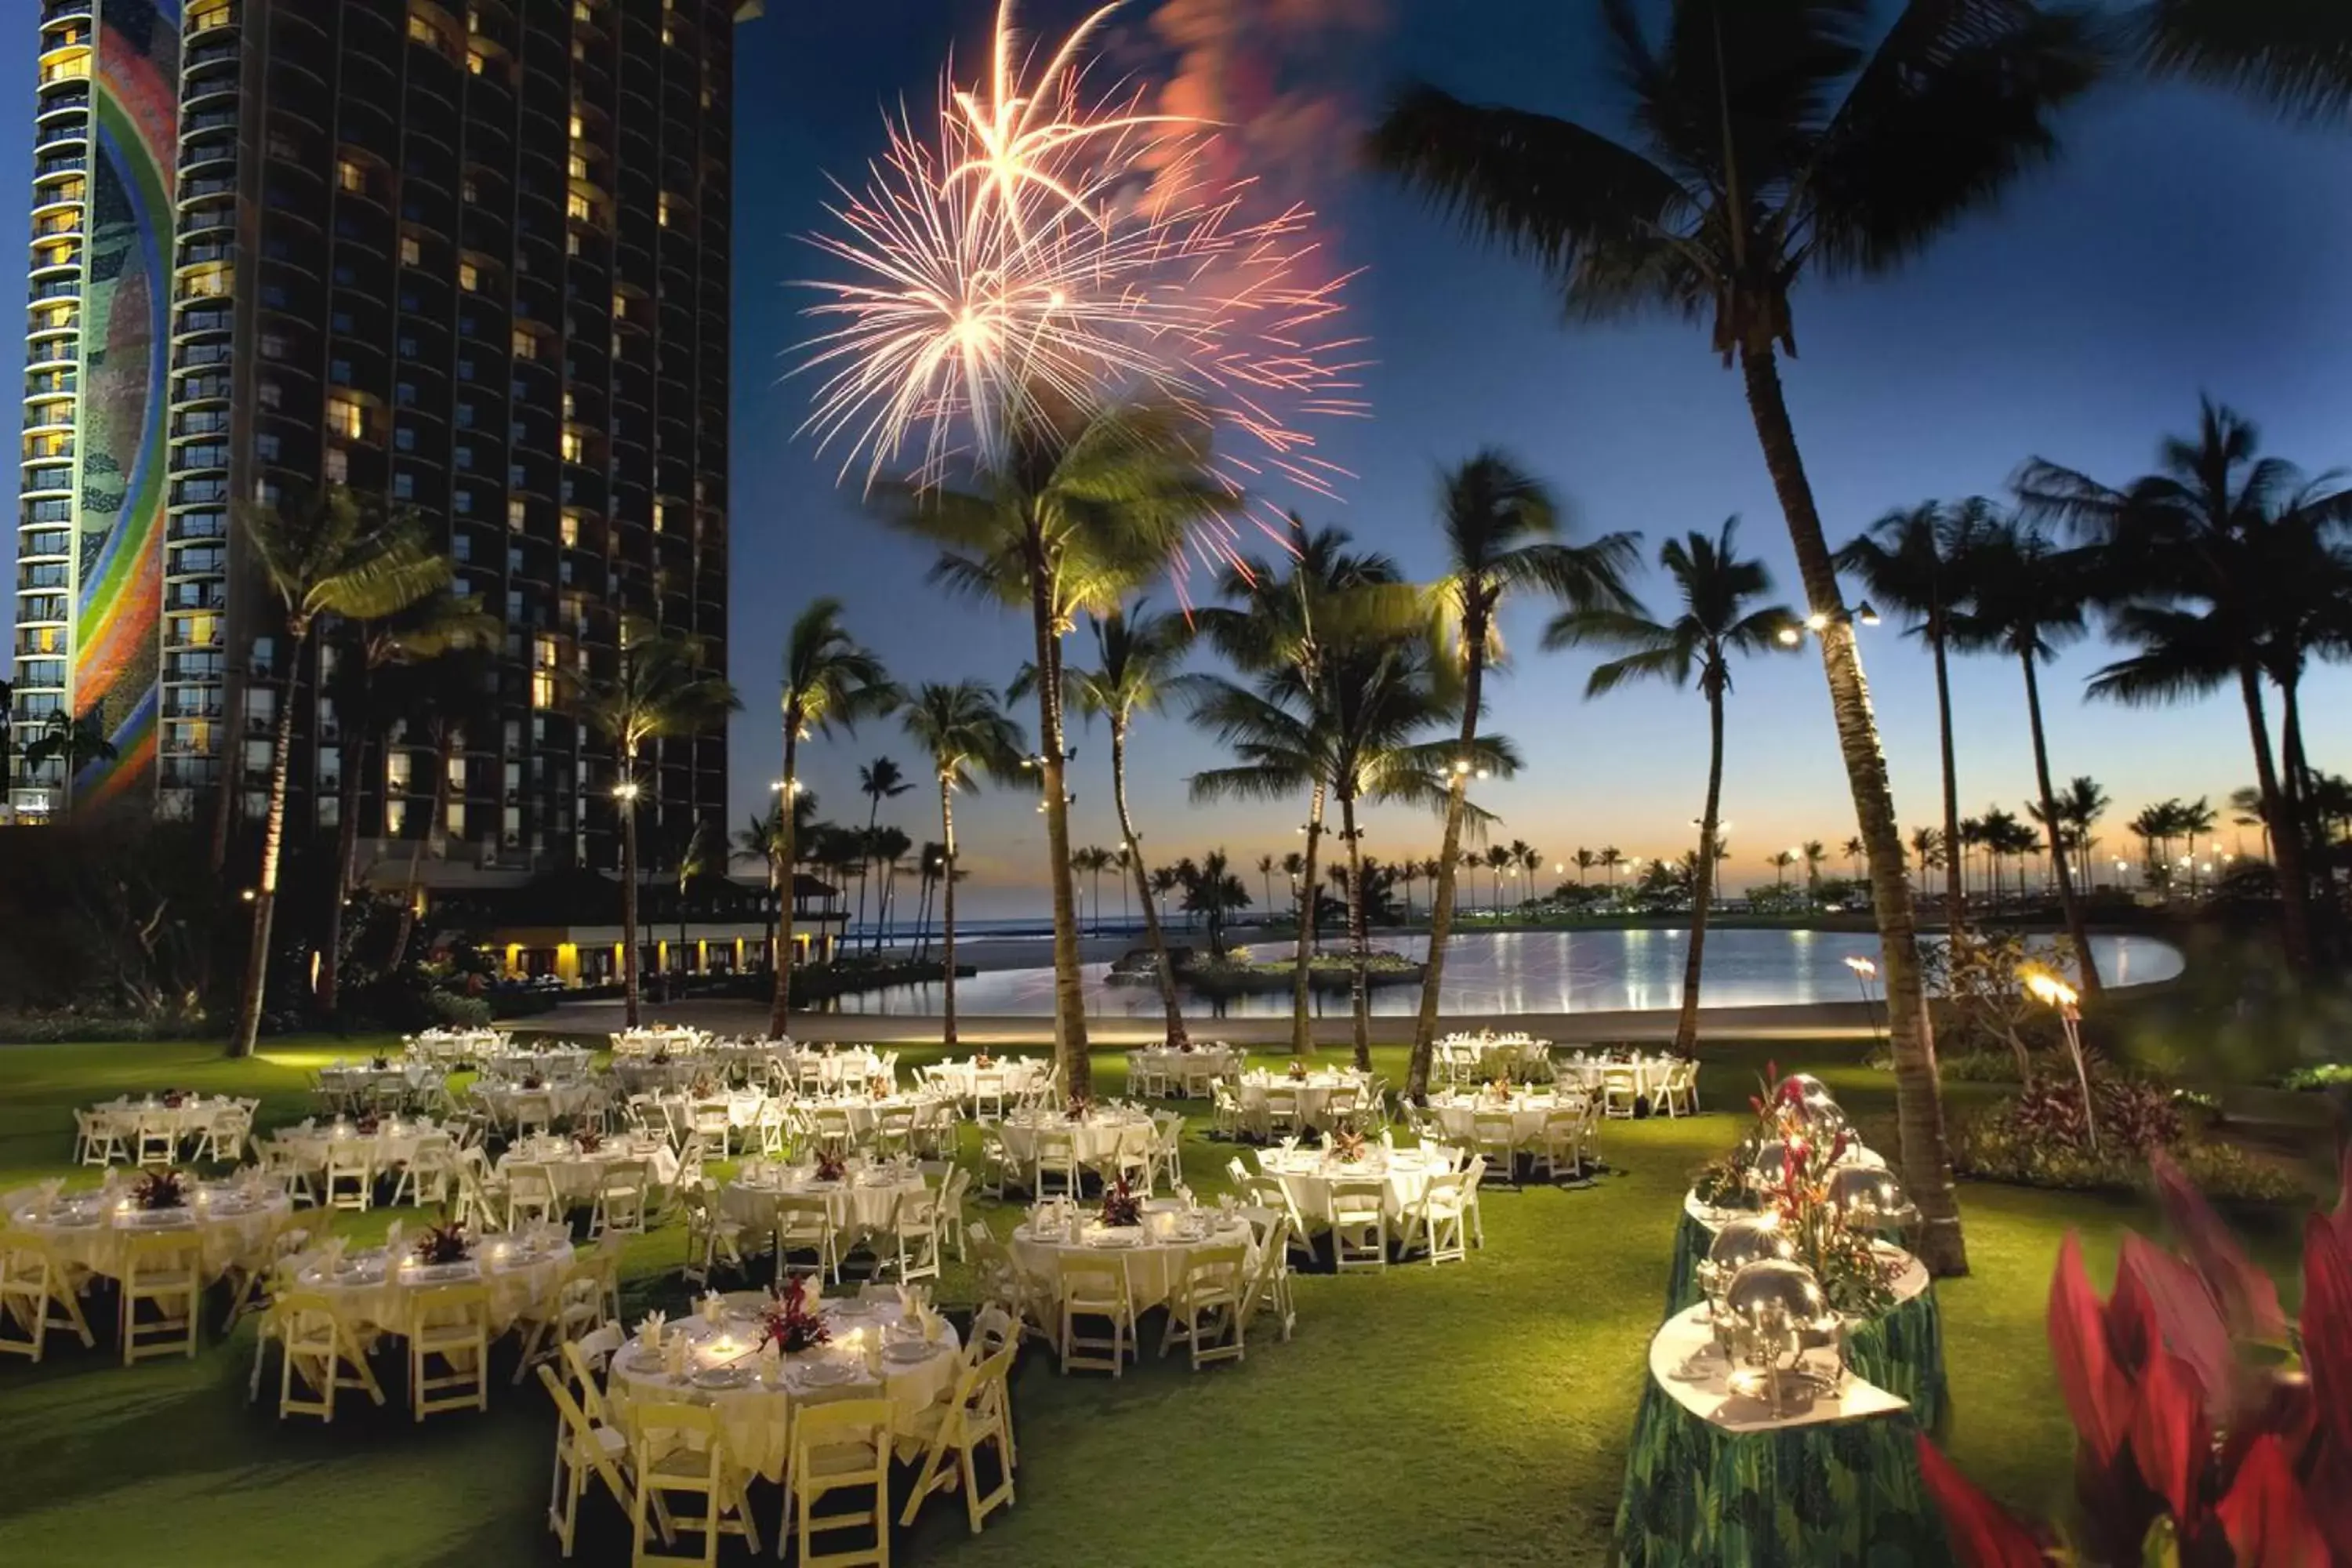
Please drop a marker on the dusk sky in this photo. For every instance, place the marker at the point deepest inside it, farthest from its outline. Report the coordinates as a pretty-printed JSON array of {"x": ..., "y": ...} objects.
[{"x": 2184, "y": 243}]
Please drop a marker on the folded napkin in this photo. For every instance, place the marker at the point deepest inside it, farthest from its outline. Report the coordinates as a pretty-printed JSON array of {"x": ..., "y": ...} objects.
[
  {"x": 649, "y": 1330},
  {"x": 331, "y": 1251},
  {"x": 714, "y": 1307},
  {"x": 931, "y": 1324},
  {"x": 1387, "y": 1139},
  {"x": 391, "y": 1239}
]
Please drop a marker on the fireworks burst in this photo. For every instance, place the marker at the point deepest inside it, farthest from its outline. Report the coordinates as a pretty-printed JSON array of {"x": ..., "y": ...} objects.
[{"x": 1046, "y": 243}]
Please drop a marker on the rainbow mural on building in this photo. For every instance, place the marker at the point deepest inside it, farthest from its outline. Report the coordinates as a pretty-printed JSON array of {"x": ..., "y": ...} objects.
[{"x": 125, "y": 391}]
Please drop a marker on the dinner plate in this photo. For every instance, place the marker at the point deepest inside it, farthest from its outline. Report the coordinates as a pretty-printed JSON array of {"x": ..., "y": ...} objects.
[
  {"x": 1113, "y": 1238},
  {"x": 718, "y": 1377},
  {"x": 905, "y": 1350},
  {"x": 826, "y": 1374}
]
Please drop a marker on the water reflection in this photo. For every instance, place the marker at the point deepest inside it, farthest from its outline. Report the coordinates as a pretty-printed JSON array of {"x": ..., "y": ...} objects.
[{"x": 1505, "y": 973}]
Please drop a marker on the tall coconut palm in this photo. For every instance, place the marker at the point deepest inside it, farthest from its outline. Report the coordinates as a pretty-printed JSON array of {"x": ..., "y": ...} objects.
[
  {"x": 1093, "y": 860},
  {"x": 1137, "y": 655},
  {"x": 879, "y": 780},
  {"x": 1814, "y": 852},
  {"x": 1266, "y": 877},
  {"x": 1853, "y": 850},
  {"x": 1780, "y": 861},
  {"x": 661, "y": 689},
  {"x": 1723, "y": 614},
  {"x": 1084, "y": 508},
  {"x": 1609, "y": 858},
  {"x": 2213, "y": 557},
  {"x": 1917, "y": 561},
  {"x": 887, "y": 846},
  {"x": 1283, "y": 623},
  {"x": 2294, "y": 56},
  {"x": 829, "y": 683},
  {"x": 1777, "y": 144},
  {"x": 329, "y": 553},
  {"x": 432, "y": 627},
  {"x": 1213, "y": 892},
  {"x": 439, "y": 701},
  {"x": 701, "y": 852},
  {"x": 1495, "y": 859},
  {"x": 73, "y": 744},
  {"x": 1502, "y": 528},
  {"x": 2026, "y": 601},
  {"x": 966, "y": 737}
]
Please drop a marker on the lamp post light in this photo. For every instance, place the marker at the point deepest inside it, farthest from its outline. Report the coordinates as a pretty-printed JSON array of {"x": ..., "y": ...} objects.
[{"x": 2047, "y": 988}]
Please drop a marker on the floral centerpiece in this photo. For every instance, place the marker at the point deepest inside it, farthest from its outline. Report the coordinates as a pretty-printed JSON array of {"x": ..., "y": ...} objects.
[
  {"x": 1080, "y": 1108},
  {"x": 1857, "y": 1280},
  {"x": 1298, "y": 1072},
  {"x": 1500, "y": 1088},
  {"x": 1722, "y": 1184},
  {"x": 532, "y": 1080},
  {"x": 1121, "y": 1206},
  {"x": 880, "y": 1085},
  {"x": 441, "y": 1244},
  {"x": 174, "y": 1098},
  {"x": 660, "y": 1057},
  {"x": 367, "y": 1124},
  {"x": 165, "y": 1189},
  {"x": 789, "y": 1322},
  {"x": 1348, "y": 1145},
  {"x": 982, "y": 1060},
  {"x": 830, "y": 1166},
  {"x": 380, "y": 1063},
  {"x": 589, "y": 1139}
]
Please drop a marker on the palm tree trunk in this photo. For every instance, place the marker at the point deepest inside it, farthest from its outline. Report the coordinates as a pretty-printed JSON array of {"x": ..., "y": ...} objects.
[
  {"x": 273, "y": 841},
  {"x": 865, "y": 862},
  {"x": 1301, "y": 1036},
  {"x": 444, "y": 748},
  {"x": 2077, "y": 930},
  {"x": 779, "y": 1004},
  {"x": 2286, "y": 833},
  {"x": 1441, "y": 895},
  {"x": 1069, "y": 997},
  {"x": 347, "y": 851},
  {"x": 1359, "y": 950},
  {"x": 629, "y": 911},
  {"x": 1919, "y": 1106},
  {"x": 1702, "y": 878},
  {"x": 1177, "y": 1034},
  {"x": 1956, "y": 887},
  {"x": 947, "y": 941}
]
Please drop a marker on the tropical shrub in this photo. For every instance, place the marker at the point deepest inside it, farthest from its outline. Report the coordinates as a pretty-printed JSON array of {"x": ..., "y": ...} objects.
[
  {"x": 2321, "y": 1075},
  {"x": 2036, "y": 1138},
  {"x": 2197, "y": 1443}
]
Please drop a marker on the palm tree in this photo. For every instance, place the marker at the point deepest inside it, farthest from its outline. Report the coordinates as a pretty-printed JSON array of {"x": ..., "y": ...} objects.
[
  {"x": 1927, "y": 849},
  {"x": 697, "y": 856},
  {"x": 1775, "y": 146},
  {"x": 1814, "y": 852},
  {"x": 1610, "y": 860},
  {"x": 1852, "y": 850},
  {"x": 966, "y": 736},
  {"x": 327, "y": 555},
  {"x": 1163, "y": 880},
  {"x": 1213, "y": 893},
  {"x": 829, "y": 682},
  {"x": 2222, "y": 560},
  {"x": 1138, "y": 655},
  {"x": 1917, "y": 562},
  {"x": 1585, "y": 860},
  {"x": 879, "y": 780},
  {"x": 440, "y": 699},
  {"x": 761, "y": 840},
  {"x": 435, "y": 626},
  {"x": 1722, "y": 614},
  {"x": 1093, "y": 860},
  {"x": 1496, "y": 859},
  {"x": 1281, "y": 625},
  {"x": 1408, "y": 871},
  {"x": 1502, "y": 529},
  {"x": 2026, "y": 601},
  {"x": 1084, "y": 507},
  {"x": 1780, "y": 861},
  {"x": 2246, "y": 811},
  {"x": 890, "y": 848},
  {"x": 1266, "y": 877},
  {"x": 72, "y": 743},
  {"x": 2294, "y": 55},
  {"x": 661, "y": 690}
]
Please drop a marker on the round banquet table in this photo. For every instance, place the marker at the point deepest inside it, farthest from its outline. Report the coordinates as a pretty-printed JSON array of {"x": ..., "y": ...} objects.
[
  {"x": 653, "y": 1041},
  {"x": 1099, "y": 1140},
  {"x": 1457, "y": 1111},
  {"x": 1189, "y": 1072},
  {"x": 353, "y": 1082},
  {"x": 1306, "y": 1175},
  {"x": 864, "y": 1114},
  {"x": 756, "y": 1403},
  {"x": 832, "y": 1068},
  {"x": 1647, "y": 1074},
  {"x": 1016, "y": 1076},
  {"x": 191, "y": 1117},
  {"x": 392, "y": 1143},
  {"x": 578, "y": 1174},
  {"x": 523, "y": 1271},
  {"x": 452, "y": 1047},
  {"x": 1711, "y": 1477},
  {"x": 1153, "y": 1254},
  {"x": 863, "y": 1200},
  {"x": 1313, "y": 1094},
  {"x": 644, "y": 1075},
  {"x": 559, "y": 1099},
  {"x": 234, "y": 1225},
  {"x": 554, "y": 1063},
  {"x": 1486, "y": 1058}
]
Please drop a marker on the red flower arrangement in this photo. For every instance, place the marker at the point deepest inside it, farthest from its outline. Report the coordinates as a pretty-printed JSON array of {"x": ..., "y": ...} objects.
[
  {"x": 159, "y": 1190},
  {"x": 442, "y": 1244},
  {"x": 788, "y": 1323},
  {"x": 1348, "y": 1144},
  {"x": 830, "y": 1166},
  {"x": 368, "y": 1123},
  {"x": 2187, "y": 1447},
  {"x": 589, "y": 1139},
  {"x": 174, "y": 1098},
  {"x": 983, "y": 1061},
  {"x": 380, "y": 1063},
  {"x": 532, "y": 1080},
  {"x": 1298, "y": 1072},
  {"x": 1120, "y": 1207},
  {"x": 1080, "y": 1108}
]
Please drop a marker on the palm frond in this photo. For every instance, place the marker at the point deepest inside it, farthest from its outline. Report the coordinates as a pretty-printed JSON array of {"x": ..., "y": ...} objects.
[{"x": 2294, "y": 55}]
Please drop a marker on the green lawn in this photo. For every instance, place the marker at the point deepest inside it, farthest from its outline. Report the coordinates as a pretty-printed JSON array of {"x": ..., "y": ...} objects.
[{"x": 1472, "y": 1413}]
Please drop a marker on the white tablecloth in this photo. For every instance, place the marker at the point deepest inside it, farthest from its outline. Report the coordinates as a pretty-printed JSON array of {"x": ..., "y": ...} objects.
[
  {"x": 864, "y": 1116},
  {"x": 1013, "y": 1077},
  {"x": 832, "y": 1068},
  {"x": 524, "y": 1273},
  {"x": 1100, "y": 1139},
  {"x": 1154, "y": 1262},
  {"x": 1646, "y": 1076},
  {"x": 1457, "y": 1112},
  {"x": 549, "y": 1101},
  {"x": 1189, "y": 1073},
  {"x": 1313, "y": 1094},
  {"x": 1692, "y": 1372},
  {"x": 404, "y": 1079},
  {"x": 1307, "y": 1174},
  {"x": 864, "y": 1200},
  {"x": 756, "y": 1416},
  {"x": 651, "y": 1041},
  {"x": 577, "y": 1175},
  {"x": 391, "y": 1143},
  {"x": 450, "y": 1047},
  {"x": 232, "y": 1227},
  {"x": 185, "y": 1119},
  {"x": 554, "y": 1063}
]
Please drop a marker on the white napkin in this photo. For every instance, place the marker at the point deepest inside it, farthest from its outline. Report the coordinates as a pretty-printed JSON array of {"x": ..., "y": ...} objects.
[
  {"x": 391, "y": 1239},
  {"x": 673, "y": 1355},
  {"x": 649, "y": 1330},
  {"x": 332, "y": 1252},
  {"x": 931, "y": 1322},
  {"x": 714, "y": 1307},
  {"x": 1387, "y": 1139}
]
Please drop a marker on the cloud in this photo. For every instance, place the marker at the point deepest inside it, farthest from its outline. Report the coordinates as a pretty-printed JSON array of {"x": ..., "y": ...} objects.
[{"x": 1275, "y": 77}]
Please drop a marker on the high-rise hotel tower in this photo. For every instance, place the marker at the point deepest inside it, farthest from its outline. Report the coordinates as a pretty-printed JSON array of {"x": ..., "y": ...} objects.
[{"x": 467, "y": 257}]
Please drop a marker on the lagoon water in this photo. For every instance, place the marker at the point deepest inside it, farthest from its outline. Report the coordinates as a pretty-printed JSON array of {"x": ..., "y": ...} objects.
[{"x": 1504, "y": 973}]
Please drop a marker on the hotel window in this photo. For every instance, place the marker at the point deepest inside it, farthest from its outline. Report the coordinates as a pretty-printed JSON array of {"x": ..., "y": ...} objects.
[
  {"x": 543, "y": 674},
  {"x": 470, "y": 277},
  {"x": 516, "y": 513},
  {"x": 526, "y": 346},
  {"x": 350, "y": 176},
  {"x": 661, "y": 210},
  {"x": 346, "y": 418},
  {"x": 273, "y": 346},
  {"x": 337, "y": 466},
  {"x": 412, "y": 254},
  {"x": 209, "y": 14},
  {"x": 457, "y": 829},
  {"x": 476, "y": 61},
  {"x": 574, "y": 448},
  {"x": 571, "y": 530},
  {"x": 576, "y": 206},
  {"x": 579, "y": 165},
  {"x": 395, "y": 773}
]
